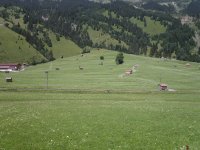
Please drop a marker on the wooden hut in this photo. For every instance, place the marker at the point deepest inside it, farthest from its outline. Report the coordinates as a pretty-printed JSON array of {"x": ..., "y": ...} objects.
[
  {"x": 129, "y": 72},
  {"x": 163, "y": 86},
  {"x": 9, "y": 79}
]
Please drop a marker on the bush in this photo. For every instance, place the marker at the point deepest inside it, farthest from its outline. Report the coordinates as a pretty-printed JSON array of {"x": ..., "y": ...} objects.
[
  {"x": 86, "y": 49},
  {"x": 119, "y": 58},
  {"x": 57, "y": 37},
  {"x": 6, "y": 24},
  {"x": 101, "y": 57}
]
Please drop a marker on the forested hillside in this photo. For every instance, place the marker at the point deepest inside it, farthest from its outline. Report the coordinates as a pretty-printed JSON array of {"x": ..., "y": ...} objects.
[
  {"x": 14, "y": 48},
  {"x": 156, "y": 6},
  {"x": 194, "y": 8},
  {"x": 116, "y": 26}
]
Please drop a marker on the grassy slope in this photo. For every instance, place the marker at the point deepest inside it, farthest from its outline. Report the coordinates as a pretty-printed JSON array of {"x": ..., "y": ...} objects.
[
  {"x": 64, "y": 120},
  {"x": 100, "y": 37},
  {"x": 9, "y": 49},
  {"x": 20, "y": 21},
  {"x": 64, "y": 47},
  {"x": 109, "y": 76},
  {"x": 105, "y": 13},
  {"x": 152, "y": 28}
]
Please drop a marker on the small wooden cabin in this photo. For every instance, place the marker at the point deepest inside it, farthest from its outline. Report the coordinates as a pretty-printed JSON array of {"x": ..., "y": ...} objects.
[
  {"x": 163, "y": 86},
  {"x": 129, "y": 72},
  {"x": 9, "y": 79}
]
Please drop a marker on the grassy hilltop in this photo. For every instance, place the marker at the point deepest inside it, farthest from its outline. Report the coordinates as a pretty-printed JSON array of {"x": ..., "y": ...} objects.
[
  {"x": 98, "y": 107},
  {"x": 108, "y": 76}
]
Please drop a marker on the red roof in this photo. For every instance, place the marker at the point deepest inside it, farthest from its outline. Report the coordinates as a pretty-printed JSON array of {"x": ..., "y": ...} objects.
[
  {"x": 163, "y": 84},
  {"x": 4, "y": 67},
  {"x": 10, "y": 66}
]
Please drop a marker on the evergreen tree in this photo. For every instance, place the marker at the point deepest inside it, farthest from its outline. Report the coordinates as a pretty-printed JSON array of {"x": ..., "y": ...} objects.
[{"x": 119, "y": 58}]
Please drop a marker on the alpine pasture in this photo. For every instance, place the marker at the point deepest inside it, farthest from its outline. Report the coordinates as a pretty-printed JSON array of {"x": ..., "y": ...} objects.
[{"x": 99, "y": 107}]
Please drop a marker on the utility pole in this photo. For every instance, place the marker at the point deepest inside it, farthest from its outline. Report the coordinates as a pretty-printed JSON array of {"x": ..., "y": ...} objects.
[
  {"x": 160, "y": 78},
  {"x": 46, "y": 72}
]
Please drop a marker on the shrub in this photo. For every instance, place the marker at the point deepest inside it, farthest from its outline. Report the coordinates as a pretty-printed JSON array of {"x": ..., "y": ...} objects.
[
  {"x": 86, "y": 49},
  {"x": 101, "y": 57},
  {"x": 119, "y": 58}
]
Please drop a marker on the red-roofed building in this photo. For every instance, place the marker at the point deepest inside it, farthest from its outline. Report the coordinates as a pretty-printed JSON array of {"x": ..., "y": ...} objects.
[
  {"x": 10, "y": 67},
  {"x": 163, "y": 86}
]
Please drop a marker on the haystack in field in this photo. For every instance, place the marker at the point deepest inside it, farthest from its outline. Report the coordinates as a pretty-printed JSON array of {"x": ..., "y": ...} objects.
[{"x": 187, "y": 64}]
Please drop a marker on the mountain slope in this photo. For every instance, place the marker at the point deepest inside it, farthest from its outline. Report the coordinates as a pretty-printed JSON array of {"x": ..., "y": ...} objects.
[
  {"x": 194, "y": 8},
  {"x": 117, "y": 26},
  {"x": 14, "y": 48},
  {"x": 41, "y": 40},
  {"x": 63, "y": 47},
  {"x": 149, "y": 26}
]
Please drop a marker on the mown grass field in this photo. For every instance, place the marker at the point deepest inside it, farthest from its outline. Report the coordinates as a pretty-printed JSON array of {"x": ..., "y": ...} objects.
[
  {"x": 58, "y": 120},
  {"x": 108, "y": 76},
  {"x": 98, "y": 107}
]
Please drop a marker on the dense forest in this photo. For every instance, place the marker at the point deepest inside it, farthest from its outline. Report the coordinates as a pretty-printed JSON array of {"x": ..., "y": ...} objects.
[
  {"x": 194, "y": 8},
  {"x": 156, "y": 6},
  {"x": 73, "y": 18}
]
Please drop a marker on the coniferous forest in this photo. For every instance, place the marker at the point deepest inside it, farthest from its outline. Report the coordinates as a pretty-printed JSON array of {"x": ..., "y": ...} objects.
[{"x": 72, "y": 20}]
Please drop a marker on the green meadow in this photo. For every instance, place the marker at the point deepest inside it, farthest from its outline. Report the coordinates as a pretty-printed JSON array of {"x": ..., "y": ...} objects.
[
  {"x": 152, "y": 27},
  {"x": 65, "y": 74},
  {"x": 59, "y": 120},
  {"x": 99, "y": 37},
  {"x": 99, "y": 107},
  {"x": 64, "y": 47}
]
